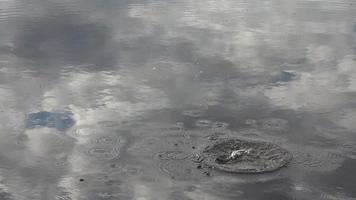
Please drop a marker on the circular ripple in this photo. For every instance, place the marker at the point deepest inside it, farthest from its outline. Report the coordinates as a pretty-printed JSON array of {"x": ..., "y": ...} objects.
[
  {"x": 106, "y": 140},
  {"x": 313, "y": 159},
  {"x": 220, "y": 125},
  {"x": 171, "y": 155},
  {"x": 85, "y": 131},
  {"x": 180, "y": 170},
  {"x": 257, "y": 157},
  {"x": 104, "y": 153},
  {"x": 192, "y": 113},
  {"x": 275, "y": 124},
  {"x": 203, "y": 123}
]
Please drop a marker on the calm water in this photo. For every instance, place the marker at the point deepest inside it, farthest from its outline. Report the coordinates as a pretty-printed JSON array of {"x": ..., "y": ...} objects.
[{"x": 112, "y": 99}]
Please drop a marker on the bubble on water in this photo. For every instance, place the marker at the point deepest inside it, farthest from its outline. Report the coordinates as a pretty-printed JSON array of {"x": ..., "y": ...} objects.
[
  {"x": 275, "y": 125},
  {"x": 171, "y": 155},
  {"x": 193, "y": 113},
  {"x": 203, "y": 123}
]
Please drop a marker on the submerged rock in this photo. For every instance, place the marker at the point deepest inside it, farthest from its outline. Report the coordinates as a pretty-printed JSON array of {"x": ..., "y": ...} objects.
[
  {"x": 241, "y": 156},
  {"x": 59, "y": 121}
]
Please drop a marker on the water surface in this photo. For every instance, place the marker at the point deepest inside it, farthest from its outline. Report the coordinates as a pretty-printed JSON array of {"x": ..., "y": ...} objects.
[{"x": 148, "y": 84}]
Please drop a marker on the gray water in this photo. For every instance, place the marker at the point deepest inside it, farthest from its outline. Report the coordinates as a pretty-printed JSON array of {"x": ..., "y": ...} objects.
[{"x": 111, "y": 99}]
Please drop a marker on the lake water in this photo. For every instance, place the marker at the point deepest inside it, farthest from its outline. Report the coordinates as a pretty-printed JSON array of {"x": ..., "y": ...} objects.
[{"x": 112, "y": 99}]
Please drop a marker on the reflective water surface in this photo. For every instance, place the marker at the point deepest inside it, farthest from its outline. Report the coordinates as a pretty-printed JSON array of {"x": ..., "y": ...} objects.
[{"x": 114, "y": 99}]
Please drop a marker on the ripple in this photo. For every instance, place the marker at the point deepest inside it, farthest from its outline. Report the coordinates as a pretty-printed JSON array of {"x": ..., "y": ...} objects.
[
  {"x": 104, "y": 153},
  {"x": 203, "y": 123},
  {"x": 251, "y": 122},
  {"x": 193, "y": 113},
  {"x": 181, "y": 170},
  {"x": 275, "y": 125},
  {"x": 243, "y": 156},
  {"x": 220, "y": 125},
  {"x": 321, "y": 160},
  {"x": 85, "y": 131},
  {"x": 107, "y": 140},
  {"x": 172, "y": 155},
  {"x": 125, "y": 169}
]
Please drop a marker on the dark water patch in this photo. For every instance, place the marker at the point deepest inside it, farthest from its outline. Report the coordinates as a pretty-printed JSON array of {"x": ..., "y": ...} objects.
[
  {"x": 5, "y": 195},
  {"x": 341, "y": 180},
  {"x": 59, "y": 121},
  {"x": 64, "y": 39},
  {"x": 179, "y": 195},
  {"x": 280, "y": 189},
  {"x": 285, "y": 76},
  {"x": 239, "y": 156}
]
